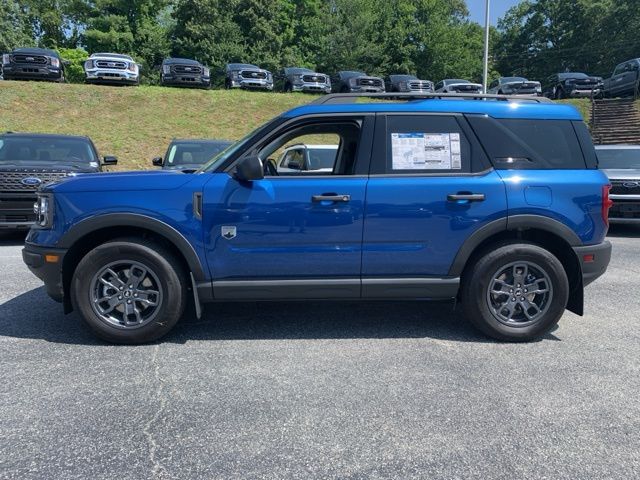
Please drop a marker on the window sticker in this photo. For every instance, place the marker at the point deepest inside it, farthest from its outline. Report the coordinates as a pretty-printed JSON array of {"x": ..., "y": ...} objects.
[{"x": 426, "y": 151}]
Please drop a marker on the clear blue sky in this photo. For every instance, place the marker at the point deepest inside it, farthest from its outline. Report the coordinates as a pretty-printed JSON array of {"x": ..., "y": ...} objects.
[{"x": 498, "y": 8}]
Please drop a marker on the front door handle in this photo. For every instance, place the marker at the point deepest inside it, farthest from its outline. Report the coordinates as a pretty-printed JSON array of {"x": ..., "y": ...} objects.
[
  {"x": 469, "y": 197},
  {"x": 330, "y": 198}
]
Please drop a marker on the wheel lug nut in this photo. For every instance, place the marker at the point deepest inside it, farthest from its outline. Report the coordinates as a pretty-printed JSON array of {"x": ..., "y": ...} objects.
[
  {"x": 119, "y": 297},
  {"x": 135, "y": 295},
  {"x": 513, "y": 299},
  {"x": 522, "y": 299},
  {"x": 511, "y": 290},
  {"x": 121, "y": 288},
  {"x": 129, "y": 301}
]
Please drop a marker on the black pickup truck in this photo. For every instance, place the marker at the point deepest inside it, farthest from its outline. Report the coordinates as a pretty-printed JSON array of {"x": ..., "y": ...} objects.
[
  {"x": 625, "y": 80},
  {"x": 28, "y": 161}
]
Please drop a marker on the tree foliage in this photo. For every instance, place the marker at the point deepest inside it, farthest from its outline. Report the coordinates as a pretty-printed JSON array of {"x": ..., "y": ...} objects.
[{"x": 538, "y": 38}]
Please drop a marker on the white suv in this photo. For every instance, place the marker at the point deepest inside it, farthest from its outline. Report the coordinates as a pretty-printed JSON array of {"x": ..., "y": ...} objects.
[{"x": 112, "y": 68}]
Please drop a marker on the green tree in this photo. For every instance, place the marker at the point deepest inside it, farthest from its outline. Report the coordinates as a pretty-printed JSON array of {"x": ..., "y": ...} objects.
[
  {"x": 74, "y": 72},
  {"x": 15, "y": 27}
]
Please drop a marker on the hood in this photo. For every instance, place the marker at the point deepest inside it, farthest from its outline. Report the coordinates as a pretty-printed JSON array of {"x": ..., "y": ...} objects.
[
  {"x": 583, "y": 81},
  {"x": 121, "y": 182},
  {"x": 622, "y": 173},
  {"x": 180, "y": 61},
  {"x": 523, "y": 84},
  {"x": 35, "y": 51},
  {"x": 367, "y": 77},
  {"x": 110, "y": 58}
]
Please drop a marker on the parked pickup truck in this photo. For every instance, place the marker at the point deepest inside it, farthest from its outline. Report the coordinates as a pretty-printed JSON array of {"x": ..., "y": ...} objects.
[
  {"x": 498, "y": 203},
  {"x": 29, "y": 161},
  {"x": 621, "y": 163},
  {"x": 111, "y": 69},
  {"x": 625, "y": 80}
]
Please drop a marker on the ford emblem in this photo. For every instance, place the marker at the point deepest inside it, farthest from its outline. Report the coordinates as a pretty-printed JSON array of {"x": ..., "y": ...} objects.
[
  {"x": 31, "y": 181},
  {"x": 254, "y": 74},
  {"x": 111, "y": 64},
  {"x": 631, "y": 184}
]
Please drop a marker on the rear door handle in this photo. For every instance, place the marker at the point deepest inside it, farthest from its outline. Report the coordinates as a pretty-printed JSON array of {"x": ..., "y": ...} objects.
[
  {"x": 469, "y": 197},
  {"x": 331, "y": 198}
]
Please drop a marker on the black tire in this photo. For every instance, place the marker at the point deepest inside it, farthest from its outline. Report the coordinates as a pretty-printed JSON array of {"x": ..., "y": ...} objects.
[
  {"x": 559, "y": 94},
  {"x": 479, "y": 278},
  {"x": 288, "y": 88},
  {"x": 167, "y": 273}
]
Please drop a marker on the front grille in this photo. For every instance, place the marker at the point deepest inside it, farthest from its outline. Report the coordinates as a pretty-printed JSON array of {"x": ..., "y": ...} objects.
[
  {"x": 11, "y": 180},
  {"x": 369, "y": 82},
  {"x": 39, "y": 59},
  {"x": 625, "y": 187},
  {"x": 253, "y": 75},
  {"x": 625, "y": 210},
  {"x": 111, "y": 64},
  {"x": 188, "y": 69},
  {"x": 314, "y": 78},
  {"x": 420, "y": 86}
]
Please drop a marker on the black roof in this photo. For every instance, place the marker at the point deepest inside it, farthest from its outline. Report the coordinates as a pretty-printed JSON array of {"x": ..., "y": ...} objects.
[
  {"x": 52, "y": 136},
  {"x": 37, "y": 51},
  {"x": 188, "y": 61}
]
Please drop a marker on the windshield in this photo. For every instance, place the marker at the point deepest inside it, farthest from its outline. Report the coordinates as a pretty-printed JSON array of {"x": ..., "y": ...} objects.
[
  {"x": 456, "y": 80},
  {"x": 47, "y": 151},
  {"x": 564, "y": 76},
  {"x": 513, "y": 79},
  {"x": 402, "y": 78},
  {"x": 622, "y": 158},
  {"x": 193, "y": 153},
  {"x": 222, "y": 157}
]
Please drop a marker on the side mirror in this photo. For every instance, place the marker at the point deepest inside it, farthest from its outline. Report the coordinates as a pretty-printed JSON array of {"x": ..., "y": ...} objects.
[
  {"x": 294, "y": 165},
  {"x": 66, "y": 63},
  {"x": 109, "y": 160},
  {"x": 249, "y": 169},
  {"x": 157, "y": 161}
]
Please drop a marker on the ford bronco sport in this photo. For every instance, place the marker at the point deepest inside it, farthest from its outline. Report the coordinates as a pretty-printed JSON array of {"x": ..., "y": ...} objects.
[{"x": 492, "y": 200}]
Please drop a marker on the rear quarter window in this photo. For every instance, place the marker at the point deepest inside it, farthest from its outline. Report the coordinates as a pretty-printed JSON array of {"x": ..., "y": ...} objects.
[{"x": 529, "y": 143}]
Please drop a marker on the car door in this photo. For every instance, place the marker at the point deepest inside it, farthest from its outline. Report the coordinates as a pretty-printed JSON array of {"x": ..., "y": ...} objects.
[
  {"x": 431, "y": 187},
  {"x": 296, "y": 234},
  {"x": 617, "y": 80}
]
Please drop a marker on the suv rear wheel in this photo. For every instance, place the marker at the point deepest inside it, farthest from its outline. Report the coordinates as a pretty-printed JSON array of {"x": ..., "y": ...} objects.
[
  {"x": 129, "y": 292},
  {"x": 516, "y": 292}
]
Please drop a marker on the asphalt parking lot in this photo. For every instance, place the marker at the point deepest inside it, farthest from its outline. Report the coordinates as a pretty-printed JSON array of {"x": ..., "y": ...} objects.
[{"x": 322, "y": 390}]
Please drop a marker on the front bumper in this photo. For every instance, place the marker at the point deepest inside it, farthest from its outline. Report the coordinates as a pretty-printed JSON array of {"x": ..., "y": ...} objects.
[
  {"x": 594, "y": 260},
  {"x": 311, "y": 87},
  {"x": 253, "y": 84},
  {"x": 111, "y": 75},
  {"x": 584, "y": 93},
  {"x": 186, "y": 81},
  {"x": 625, "y": 209},
  {"x": 29, "y": 71},
  {"x": 39, "y": 261},
  {"x": 366, "y": 89}
]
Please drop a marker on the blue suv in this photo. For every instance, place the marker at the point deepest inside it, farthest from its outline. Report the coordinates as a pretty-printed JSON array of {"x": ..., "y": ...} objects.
[{"x": 495, "y": 201}]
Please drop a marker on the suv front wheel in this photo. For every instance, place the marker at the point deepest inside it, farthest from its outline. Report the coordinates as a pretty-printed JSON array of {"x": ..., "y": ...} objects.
[
  {"x": 128, "y": 291},
  {"x": 516, "y": 292}
]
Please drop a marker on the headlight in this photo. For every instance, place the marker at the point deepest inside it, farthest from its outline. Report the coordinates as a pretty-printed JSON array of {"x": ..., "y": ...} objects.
[
  {"x": 269, "y": 76},
  {"x": 538, "y": 89},
  {"x": 353, "y": 82},
  {"x": 6, "y": 58},
  {"x": 297, "y": 78},
  {"x": 235, "y": 75},
  {"x": 55, "y": 62},
  {"x": 88, "y": 64},
  {"x": 205, "y": 72},
  {"x": 43, "y": 208},
  {"x": 133, "y": 67},
  {"x": 166, "y": 69}
]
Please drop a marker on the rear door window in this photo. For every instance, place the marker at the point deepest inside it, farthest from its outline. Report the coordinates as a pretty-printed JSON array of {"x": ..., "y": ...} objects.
[{"x": 529, "y": 143}]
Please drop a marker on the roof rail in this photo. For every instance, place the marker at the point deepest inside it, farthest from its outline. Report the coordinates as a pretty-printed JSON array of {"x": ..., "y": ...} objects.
[{"x": 335, "y": 98}]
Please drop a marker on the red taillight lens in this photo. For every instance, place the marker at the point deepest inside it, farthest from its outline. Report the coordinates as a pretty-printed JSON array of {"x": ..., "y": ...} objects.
[{"x": 607, "y": 203}]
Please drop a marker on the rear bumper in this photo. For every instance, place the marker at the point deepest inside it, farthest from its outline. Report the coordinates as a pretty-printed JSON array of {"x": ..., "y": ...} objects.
[
  {"x": 594, "y": 260},
  {"x": 49, "y": 272}
]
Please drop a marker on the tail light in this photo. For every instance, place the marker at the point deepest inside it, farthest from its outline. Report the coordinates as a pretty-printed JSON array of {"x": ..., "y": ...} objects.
[{"x": 607, "y": 203}]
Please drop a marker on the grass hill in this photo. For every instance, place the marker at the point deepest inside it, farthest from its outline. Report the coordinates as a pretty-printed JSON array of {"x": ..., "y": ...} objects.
[{"x": 136, "y": 124}]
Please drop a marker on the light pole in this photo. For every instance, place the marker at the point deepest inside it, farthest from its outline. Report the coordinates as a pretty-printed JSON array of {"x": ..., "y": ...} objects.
[{"x": 485, "y": 75}]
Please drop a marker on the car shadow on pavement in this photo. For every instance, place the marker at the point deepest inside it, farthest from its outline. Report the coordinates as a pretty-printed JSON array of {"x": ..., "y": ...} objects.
[
  {"x": 33, "y": 315},
  {"x": 12, "y": 239},
  {"x": 624, "y": 231}
]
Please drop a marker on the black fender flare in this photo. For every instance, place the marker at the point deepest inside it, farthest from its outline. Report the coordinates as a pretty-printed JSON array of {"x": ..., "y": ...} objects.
[
  {"x": 511, "y": 223},
  {"x": 137, "y": 220}
]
